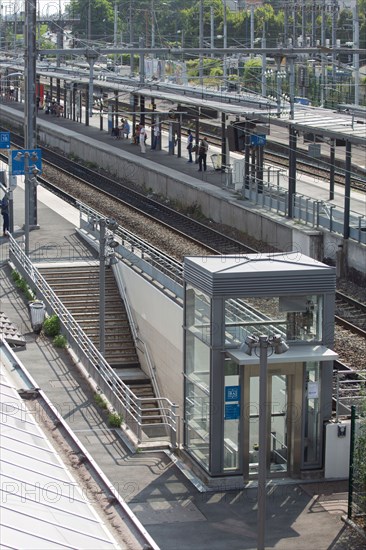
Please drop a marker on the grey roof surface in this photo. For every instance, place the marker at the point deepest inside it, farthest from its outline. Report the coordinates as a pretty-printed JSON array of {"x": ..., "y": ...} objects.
[
  {"x": 306, "y": 118},
  {"x": 42, "y": 506}
]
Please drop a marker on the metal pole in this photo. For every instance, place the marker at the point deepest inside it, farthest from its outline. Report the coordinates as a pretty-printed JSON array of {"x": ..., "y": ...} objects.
[
  {"x": 200, "y": 66},
  {"x": 279, "y": 87},
  {"x": 351, "y": 462},
  {"x": 26, "y": 206},
  {"x": 264, "y": 66},
  {"x": 30, "y": 108},
  {"x": 102, "y": 245},
  {"x": 91, "y": 86},
  {"x": 291, "y": 60},
  {"x": 292, "y": 170},
  {"x": 142, "y": 61},
  {"x": 212, "y": 24},
  {"x": 262, "y": 440},
  {"x": 347, "y": 191},
  {"x": 224, "y": 68},
  {"x": 131, "y": 40},
  {"x": 332, "y": 169},
  {"x": 334, "y": 39},
  {"x": 89, "y": 22},
  {"x": 356, "y": 56},
  {"x": 252, "y": 26},
  {"x": 152, "y": 24},
  {"x": 115, "y": 32},
  {"x": 323, "y": 94}
]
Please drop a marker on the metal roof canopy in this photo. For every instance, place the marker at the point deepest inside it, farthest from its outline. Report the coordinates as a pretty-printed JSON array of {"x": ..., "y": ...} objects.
[
  {"x": 293, "y": 355},
  {"x": 264, "y": 274},
  {"x": 306, "y": 119},
  {"x": 326, "y": 124},
  {"x": 142, "y": 90}
]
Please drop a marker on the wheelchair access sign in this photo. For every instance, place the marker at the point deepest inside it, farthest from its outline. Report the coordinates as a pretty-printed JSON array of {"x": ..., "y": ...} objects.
[
  {"x": 26, "y": 161},
  {"x": 4, "y": 140}
]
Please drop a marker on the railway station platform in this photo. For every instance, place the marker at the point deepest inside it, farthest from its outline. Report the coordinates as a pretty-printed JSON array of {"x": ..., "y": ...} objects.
[
  {"x": 176, "y": 510},
  {"x": 212, "y": 191}
]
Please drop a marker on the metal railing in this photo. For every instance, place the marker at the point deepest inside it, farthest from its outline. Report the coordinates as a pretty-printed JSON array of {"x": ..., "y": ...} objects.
[
  {"x": 349, "y": 389},
  {"x": 130, "y": 407},
  {"x": 306, "y": 210},
  {"x": 140, "y": 343}
]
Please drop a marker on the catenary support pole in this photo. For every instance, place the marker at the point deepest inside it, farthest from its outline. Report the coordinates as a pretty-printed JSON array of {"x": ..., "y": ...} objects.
[{"x": 30, "y": 112}]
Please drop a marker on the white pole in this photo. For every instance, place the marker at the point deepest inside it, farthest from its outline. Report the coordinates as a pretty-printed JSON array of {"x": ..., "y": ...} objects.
[{"x": 262, "y": 440}]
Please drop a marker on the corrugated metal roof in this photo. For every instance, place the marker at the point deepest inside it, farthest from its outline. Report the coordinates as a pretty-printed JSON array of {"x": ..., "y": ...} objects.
[
  {"x": 306, "y": 119},
  {"x": 42, "y": 506},
  {"x": 259, "y": 275}
]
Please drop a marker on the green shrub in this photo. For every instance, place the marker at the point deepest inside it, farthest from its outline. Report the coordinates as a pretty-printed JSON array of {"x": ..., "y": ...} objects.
[
  {"x": 22, "y": 284},
  {"x": 51, "y": 326},
  {"x": 100, "y": 401},
  {"x": 29, "y": 294},
  {"x": 114, "y": 420},
  {"x": 15, "y": 276},
  {"x": 60, "y": 341}
]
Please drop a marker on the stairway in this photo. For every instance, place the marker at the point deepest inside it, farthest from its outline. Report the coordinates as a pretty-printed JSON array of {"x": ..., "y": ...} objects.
[{"x": 78, "y": 290}]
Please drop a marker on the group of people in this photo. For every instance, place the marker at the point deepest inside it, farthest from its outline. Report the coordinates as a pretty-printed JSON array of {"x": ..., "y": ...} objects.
[
  {"x": 51, "y": 107},
  {"x": 122, "y": 131},
  {"x": 139, "y": 137},
  {"x": 201, "y": 151}
]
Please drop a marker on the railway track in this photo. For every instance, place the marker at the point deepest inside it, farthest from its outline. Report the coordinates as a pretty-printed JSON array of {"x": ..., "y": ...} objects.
[{"x": 350, "y": 313}]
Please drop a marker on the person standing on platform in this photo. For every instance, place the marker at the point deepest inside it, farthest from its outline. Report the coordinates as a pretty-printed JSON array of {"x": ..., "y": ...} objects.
[
  {"x": 190, "y": 145},
  {"x": 142, "y": 138},
  {"x": 202, "y": 154},
  {"x": 136, "y": 135},
  {"x": 5, "y": 215},
  {"x": 126, "y": 129},
  {"x": 156, "y": 136}
]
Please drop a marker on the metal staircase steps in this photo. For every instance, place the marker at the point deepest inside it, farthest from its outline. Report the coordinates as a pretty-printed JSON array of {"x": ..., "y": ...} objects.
[{"x": 78, "y": 289}]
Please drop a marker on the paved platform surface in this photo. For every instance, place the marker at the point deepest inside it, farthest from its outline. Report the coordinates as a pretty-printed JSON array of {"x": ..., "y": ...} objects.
[{"x": 178, "y": 516}]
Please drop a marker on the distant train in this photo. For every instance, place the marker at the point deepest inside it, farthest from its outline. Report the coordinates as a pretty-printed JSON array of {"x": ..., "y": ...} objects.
[{"x": 302, "y": 100}]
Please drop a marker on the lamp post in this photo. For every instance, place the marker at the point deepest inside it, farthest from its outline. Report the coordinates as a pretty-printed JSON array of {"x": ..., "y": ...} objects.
[
  {"x": 106, "y": 246},
  {"x": 278, "y": 346}
]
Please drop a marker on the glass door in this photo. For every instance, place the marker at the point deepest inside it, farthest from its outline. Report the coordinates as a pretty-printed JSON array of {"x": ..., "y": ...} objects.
[{"x": 283, "y": 409}]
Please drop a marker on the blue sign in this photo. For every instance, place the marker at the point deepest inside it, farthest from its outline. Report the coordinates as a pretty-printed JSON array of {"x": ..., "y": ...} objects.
[
  {"x": 4, "y": 140},
  {"x": 19, "y": 159},
  {"x": 257, "y": 139},
  {"x": 232, "y": 411},
  {"x": 232, "y": 393}
]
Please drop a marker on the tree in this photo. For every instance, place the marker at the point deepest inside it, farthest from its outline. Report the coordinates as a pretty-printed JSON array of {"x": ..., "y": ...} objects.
[{"x": 94, "y": 15}]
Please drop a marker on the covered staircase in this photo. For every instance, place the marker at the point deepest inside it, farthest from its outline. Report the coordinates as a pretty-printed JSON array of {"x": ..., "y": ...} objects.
[{"x": 78, "y": 289}]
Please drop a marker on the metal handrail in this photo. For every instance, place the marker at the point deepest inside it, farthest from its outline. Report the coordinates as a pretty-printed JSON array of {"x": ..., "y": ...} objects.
[
  {"x": 146, "y": 352},
  {"x": 344, "y": 393},
  {"x": 123, "y": 400},
  {"x": 307, "y": 210}
]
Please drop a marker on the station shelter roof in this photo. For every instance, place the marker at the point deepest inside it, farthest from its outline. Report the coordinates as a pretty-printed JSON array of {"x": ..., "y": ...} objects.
[{"x": 316, "y": 120}]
